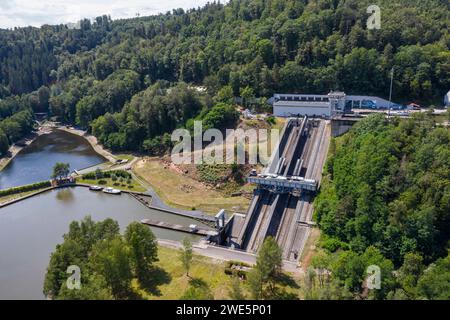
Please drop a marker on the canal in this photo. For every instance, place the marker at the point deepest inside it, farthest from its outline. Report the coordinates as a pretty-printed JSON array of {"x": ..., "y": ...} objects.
[
  {"x": 30, "y": 230},
  {"x": 35, "y": 162}
]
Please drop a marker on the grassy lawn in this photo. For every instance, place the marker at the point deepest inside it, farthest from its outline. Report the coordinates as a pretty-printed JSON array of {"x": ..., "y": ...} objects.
[
  {"x": 124, "y": 156},
  {"x": 279, "y": 124},
  {"x": 184, "y": 192},
  {"x": 170, "y": 281},
  {"x": 310, "y": 248},
  {"x": 134, "y": 186},
  {"x": 441, "y": 118}
]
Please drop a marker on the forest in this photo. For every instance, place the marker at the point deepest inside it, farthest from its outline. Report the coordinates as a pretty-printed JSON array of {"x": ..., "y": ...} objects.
[
  {"x": 386, "y": 192},
  {"x": 115, "y": 77},
  {"x": 385, "y": 198}
]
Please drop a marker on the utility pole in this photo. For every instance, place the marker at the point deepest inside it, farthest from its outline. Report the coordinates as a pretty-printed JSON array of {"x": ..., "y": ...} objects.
[{"x": 390, "y": 92}]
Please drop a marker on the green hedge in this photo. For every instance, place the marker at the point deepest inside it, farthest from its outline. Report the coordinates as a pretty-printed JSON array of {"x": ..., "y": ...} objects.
[
  {"x": 29, "y": 187},
  {"x": 107, "y": 174},
  {"x": 230, "y": 271}
]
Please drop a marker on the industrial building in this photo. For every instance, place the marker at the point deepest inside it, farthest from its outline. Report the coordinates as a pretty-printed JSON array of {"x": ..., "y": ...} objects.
[{"x": 325, "y": 106}]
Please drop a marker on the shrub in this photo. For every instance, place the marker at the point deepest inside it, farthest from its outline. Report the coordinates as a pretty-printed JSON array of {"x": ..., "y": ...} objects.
[
  {"x": 332, "y": 244},
  {"x": 89, "y": 176},
  {"x": 29, "y": 187},
  {"x": 229, "y": 270},
  {"x": 271, "y": 120},
  {"x": 107, "y": 174},
  {"x": 98, "y": 174},
  {"x": 102, "y": 182}
]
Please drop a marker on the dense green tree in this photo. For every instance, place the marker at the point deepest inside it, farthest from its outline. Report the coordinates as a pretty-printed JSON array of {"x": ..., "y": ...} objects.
[
  {"x": 75, "y": 250},
  {"x": 255, "y": 284},
  {"x": 186, "y": 255},
  {"x": 112, "y": 260},
  {"x": 385, "y": 186},
  {"x": 17, "y": 125},
  {"x": 435, "y": 281},
  {"x": 225, "y": 95},
  {"x": 221, "y": 117},
  {"x": 66, "y": 254},
  {"x": 4, "y": 144},
  {"x": 148, "y": 117},
  {"x": 408, "y": 276},
  {"x": 197, "y": 292},
  {"x": 143, "y": 246},
  {"x": 236, "y": 292},
  {"x": 93, "y": 288},
  {"x": 262, "y": 279},
  {"x": 60, "y": 170},
  {"x": 269, "y": 259},
  {"x": 247, "y": 94}
]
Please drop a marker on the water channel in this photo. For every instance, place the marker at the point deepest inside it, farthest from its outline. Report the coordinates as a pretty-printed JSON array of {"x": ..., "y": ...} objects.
[
  {"x": 30, "y": 229},
  {"x": 35, "y": 162}
]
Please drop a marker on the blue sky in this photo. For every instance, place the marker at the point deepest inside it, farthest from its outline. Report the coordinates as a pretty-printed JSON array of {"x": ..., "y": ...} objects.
[{"x": 38, "y": 12}]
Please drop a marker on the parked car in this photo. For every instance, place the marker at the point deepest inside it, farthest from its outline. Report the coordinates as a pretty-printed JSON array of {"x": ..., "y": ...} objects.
[{"x": 397, "y": 107}]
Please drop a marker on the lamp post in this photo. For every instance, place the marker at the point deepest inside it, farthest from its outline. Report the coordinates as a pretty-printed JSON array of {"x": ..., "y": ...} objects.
[{"x": 390, "y": 92}]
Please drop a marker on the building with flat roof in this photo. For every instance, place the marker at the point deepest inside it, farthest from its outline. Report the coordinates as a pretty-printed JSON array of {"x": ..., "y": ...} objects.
[
  {"x": 312, "y": 105},
  {"x": 325, "y": 106}
]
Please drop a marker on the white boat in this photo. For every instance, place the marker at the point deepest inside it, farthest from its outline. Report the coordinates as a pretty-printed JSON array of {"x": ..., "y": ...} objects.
[
  {"x": 111, "y": 191},
  {"x": 95, "y": 188}
]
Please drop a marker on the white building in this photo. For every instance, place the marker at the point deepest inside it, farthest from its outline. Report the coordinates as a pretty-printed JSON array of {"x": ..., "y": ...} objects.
[
  {"x": 447, "y": 99},
  {"x": 326, "y": 106},
  {"x": 313, "y": 105}
]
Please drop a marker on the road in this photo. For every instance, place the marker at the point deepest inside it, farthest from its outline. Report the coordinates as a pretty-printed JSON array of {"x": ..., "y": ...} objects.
[{"x": 226, "y": 254}]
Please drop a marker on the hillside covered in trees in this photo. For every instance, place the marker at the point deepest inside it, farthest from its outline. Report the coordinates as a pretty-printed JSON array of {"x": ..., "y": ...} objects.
[
  {"x": 385, "y": 200},
  {"x": 107, "y": 75}
]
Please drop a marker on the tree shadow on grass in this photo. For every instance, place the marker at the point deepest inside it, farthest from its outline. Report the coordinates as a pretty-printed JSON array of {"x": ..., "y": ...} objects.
[
  {"x": 287, "y": 280},
  {"x": 198, "y": 289},
  {"x": 150, "y": 281},
  {"x": 198, "y": 283}
]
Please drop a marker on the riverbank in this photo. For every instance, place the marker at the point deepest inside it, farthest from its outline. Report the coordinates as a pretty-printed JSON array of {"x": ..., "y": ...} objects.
[
  {"x": 198, "y": 215},
  {"x": 46, "y": 128},
  {"x": 17, "y": 197},
  {"x": 15, "y": 149},
  {"x": 92, "y": 140}
]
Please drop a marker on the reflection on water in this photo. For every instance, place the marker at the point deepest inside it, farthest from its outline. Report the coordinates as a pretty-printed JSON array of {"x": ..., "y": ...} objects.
[
  {"x": 30, "y": 230},
  {"x": 65, "y": 195},
  {"x": 35, "y": 162}
]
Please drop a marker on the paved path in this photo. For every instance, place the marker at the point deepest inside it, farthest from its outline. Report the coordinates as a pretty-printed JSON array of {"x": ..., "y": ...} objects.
[
  {"x": 226, "y": 254},
  {"x": 158, "y": 203}
]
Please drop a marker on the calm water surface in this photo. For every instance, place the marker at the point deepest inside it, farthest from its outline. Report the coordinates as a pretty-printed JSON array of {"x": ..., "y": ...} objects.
[
  {"x": 30, "y": 230},
  {"x": 35, "y": 162}
]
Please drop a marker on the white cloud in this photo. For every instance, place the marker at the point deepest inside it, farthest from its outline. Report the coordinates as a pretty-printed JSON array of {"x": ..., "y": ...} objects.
[{"x": 15, "y": 13}]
